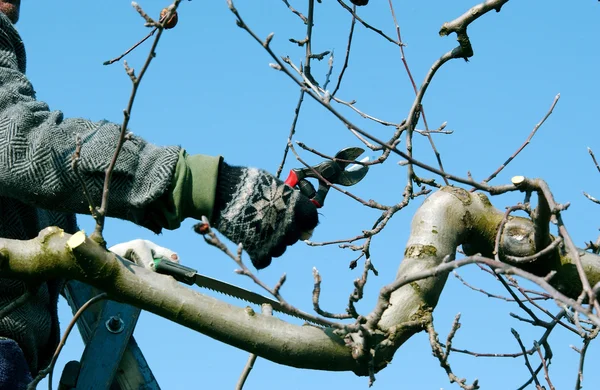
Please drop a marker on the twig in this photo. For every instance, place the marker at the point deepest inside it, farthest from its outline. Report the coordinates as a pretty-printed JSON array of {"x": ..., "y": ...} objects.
[
  {"x": 329, "y": 71},
  {"x": 359, "y": 288},
  {"x": 296, "y": 12},
  {"x": 246, "y": 371},
  {"x": 103, "y": 209},
  {"x": 463, "y": 50},
  {"x": 362, "y": 114},
  {"x": 439, "y": 130},
  {"x": 367, "y": 25},
  {"x": 292, "y": 132},
  {"x": 442, "y": 355},
  {"x": 556, "y": 319},
  {"x": 527, "y": 141},
  {"x": 528, "y": 259},
  {"x": 527, "y": 364},
  {"x": 308, "y": 44},
  {"x": 316, "y": 295},
  {"x": 268, "y": 311},
  {"x": 542, "y": 341},
  {"x": 594, "y": 159},
  {"x": 210, "y": 238},
  {"x": 535, "y": 320},
  {"x": 332, "y": 158},
  {"x": 487, "y": 294},
  {"x": 545, "y": 364},
  {"x": 414, "y": 85},
  {"x": 347, "y": 57},
  {"x": 590, "y": 197},
  {"x": 48, "y": 370},
  {"x": 132, "y": 48},
  {"x": 378, "y": 226},
  {"x": 582, "y": 354}
]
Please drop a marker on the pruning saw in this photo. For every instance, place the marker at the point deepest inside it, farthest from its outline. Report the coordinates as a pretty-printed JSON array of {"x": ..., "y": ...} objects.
[{"x": 191, "y": 276}]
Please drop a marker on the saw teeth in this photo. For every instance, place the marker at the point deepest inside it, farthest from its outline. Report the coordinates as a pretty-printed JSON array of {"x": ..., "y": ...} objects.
[{"x": 278, "y": 311}]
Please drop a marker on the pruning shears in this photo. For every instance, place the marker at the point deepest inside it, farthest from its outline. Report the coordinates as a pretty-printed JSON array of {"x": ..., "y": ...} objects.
[
  {"x": 328, "y": 172},
  {"x": 333, "y": 171}
]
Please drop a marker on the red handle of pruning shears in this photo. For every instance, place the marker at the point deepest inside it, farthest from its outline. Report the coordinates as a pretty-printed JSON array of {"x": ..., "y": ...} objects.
[
  {"x": 296, "y": 178},
  {"x": 292, "y": 179},
  {"x": 328, "y": 172}
]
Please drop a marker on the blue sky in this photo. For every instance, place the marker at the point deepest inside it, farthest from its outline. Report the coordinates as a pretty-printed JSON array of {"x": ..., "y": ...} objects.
[{"x": 210, "y": 89}]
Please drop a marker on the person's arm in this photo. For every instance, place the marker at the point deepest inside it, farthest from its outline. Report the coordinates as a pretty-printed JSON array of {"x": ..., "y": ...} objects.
[
  {"x": 37, "y": 146},
  {"x": 155, "y": 187}
]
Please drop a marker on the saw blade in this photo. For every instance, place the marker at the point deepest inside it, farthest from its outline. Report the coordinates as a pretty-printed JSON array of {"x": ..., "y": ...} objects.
[{"x": 249, "y": 296}]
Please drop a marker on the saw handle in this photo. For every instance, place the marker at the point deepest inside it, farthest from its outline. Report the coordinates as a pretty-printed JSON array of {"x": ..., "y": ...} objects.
[{"x": 179, "y": 272}]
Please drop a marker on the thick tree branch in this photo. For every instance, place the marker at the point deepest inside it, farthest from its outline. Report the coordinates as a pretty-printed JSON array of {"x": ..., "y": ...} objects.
[
  {"x": 447, "y": 219},
  {"x": 54, "y": 254}
]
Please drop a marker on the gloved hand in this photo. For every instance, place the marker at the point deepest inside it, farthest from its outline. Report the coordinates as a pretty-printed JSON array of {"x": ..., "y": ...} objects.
[
  {"x": 247, "y": 205},
  {"x": 143, "y": 252},
  {"x": 254, "y": 208}
]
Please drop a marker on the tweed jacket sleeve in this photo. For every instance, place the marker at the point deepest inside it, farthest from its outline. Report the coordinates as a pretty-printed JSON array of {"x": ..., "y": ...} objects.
[{"x": 37, "y": 145}]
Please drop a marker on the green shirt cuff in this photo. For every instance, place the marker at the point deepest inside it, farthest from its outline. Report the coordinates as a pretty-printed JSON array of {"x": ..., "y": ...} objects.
[{"x": 192, "y": 191}]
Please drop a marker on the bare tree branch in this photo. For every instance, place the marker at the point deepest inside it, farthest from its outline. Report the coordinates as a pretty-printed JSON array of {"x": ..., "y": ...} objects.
[
  {"x": 527, "y": 141},
  {"x": 102, "y": 210}
]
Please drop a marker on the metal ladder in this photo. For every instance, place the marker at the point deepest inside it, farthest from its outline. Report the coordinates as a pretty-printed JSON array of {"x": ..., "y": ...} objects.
[{"x": 111, "y": 359}]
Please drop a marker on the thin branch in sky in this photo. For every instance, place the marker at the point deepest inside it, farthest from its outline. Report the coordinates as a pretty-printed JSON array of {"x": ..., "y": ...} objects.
[
  {"x": 594, "y": 159},
  {"x": 166, "y": 17},
  {"x": 291, "y": 134},
  {"x": 211, "y": 238},
  {"x": 414, "y": 85},
  {"x": 545, "y": 365},
  {"x": 296, "y": 12},
  {"x": 347, "y": 57},
  {"x": 526, "y": 358},
  {"x": 527, "y": 141},
  {"x": 367, "y": 25},
  {"x": 316, "y": 296},
  {"x": 442, "y": 355},
  {"x": 582, "y": 354}
]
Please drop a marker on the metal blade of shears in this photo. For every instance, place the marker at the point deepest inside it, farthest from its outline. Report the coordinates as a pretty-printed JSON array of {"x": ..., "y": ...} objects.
[
  {"x": 350, "y": 153},
  {"x": 349, "y": 177}
]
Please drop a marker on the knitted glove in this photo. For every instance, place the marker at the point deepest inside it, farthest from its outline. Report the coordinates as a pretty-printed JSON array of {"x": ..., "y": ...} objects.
[{"x": 254, "y": 208}]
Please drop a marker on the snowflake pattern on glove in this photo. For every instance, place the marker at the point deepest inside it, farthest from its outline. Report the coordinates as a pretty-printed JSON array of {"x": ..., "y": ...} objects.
[
  {"x": 259, "y": 215},
  {"x": 271, "y": 205}
]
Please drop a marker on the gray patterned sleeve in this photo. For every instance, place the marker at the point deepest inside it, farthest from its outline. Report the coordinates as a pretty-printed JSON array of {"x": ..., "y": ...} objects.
[{"x": 36, "y": 147}]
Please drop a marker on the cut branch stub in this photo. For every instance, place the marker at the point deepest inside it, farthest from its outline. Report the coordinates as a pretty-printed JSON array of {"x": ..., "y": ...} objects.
[
  {"x": 518, "y": 180},
  {"x": 76, "y": 239}
]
